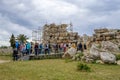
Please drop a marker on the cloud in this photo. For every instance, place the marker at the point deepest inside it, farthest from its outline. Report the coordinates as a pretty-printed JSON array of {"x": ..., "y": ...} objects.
[
  {"x": 7, "y": 28},
  {"x": 22, "y": 16}
]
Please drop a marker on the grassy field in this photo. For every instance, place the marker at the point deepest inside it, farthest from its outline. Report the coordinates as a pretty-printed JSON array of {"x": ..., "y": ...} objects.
[
  {"x": 56, "y": 69},
  {"x": 5, "y": 57}
]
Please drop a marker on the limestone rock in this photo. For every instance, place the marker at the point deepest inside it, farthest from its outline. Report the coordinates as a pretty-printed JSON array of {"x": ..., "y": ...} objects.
[
  {"x": 71, "y": 52},
  {"x": 109, "y": 46},
  {"x": 87, "y": 59},
  {"x": 99, "y": 61},
  {"x": 94, "y": 51},
  {"x": 107, "y": 57}
]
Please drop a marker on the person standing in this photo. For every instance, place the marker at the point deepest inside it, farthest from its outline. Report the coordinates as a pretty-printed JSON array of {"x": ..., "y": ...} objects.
[
  {"x": 40, "y": 48},
  {"x": 47, "y": 48},
  {"x": 17, "y": 45},
  {"x": 85, "y": 47},
  {"x": 80, "y": 47},
  {"x": 56, "y": 48},
  {"x": 36, "y": 49},
  {"x": 64, "y": 47},
  {"x": 15, "y": 54},
  {"x": 28, "y": 47}
]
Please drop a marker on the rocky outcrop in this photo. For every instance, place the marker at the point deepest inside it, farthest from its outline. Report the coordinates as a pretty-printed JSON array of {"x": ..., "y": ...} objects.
[
  {"x": 94, "y": 51},
  {"x": 109, "y": 46},
  {"x": 106, "y": 34},
  {"x": 107, "y": 57},
  {"x": 103, "y": 52}
]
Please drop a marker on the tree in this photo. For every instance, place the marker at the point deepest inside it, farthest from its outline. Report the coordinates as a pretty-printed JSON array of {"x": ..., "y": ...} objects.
[
  {"x": 12, "y": 41},
  {"x": 22, "y": 38}
]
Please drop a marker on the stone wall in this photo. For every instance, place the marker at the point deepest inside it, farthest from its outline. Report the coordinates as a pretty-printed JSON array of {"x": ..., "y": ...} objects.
[
  {"x": 58, "y": 33},
  {"x": 106, "y": 34},
  {"x": 100, "y": 35},
  {"x": 5, "y": 51}
]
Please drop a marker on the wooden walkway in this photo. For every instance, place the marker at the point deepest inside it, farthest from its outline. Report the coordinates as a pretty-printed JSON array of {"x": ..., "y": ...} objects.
[{"x": 45, "y": 56}]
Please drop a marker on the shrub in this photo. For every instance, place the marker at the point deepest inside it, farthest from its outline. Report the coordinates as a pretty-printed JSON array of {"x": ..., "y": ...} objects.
[
  {"x": 118, "y": 30},
  {"x": 119, "y": 47},
  {"x": 83, "y": 67},
  {"x": 118, "y": 57},
  {"x": 78, "y": 55},
  {"x": 3, "y": 47}
]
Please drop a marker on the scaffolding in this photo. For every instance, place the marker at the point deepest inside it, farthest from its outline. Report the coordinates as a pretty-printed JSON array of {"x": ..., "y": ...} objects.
[
  {"x": 71, "y": 27},
  {"x": 37, "y": 35}
]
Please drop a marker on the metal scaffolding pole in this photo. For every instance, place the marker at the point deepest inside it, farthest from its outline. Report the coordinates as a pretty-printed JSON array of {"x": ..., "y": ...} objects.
[{"x": 37, "y": 35}]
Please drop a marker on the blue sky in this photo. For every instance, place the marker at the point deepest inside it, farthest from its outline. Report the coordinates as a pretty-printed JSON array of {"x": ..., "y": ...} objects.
[{"x": 22, "y": 16}]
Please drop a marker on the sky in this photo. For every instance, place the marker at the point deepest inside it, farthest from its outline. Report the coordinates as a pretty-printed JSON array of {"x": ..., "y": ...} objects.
[{"x": 23, "y": 16}]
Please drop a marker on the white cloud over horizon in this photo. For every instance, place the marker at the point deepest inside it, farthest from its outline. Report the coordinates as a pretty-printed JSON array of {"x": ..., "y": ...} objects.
[{"x": 22, "y": 16}]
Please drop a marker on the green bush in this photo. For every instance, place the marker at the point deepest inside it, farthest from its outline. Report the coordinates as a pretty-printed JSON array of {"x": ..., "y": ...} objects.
[
  {"x": 83, "y": 67},
  {"x": 79, "y": 55},
  {"x": 118, "y": 57},
  {"x": 119, "y": 47},
  {"x": 3, "y": 47},
  {"x": 118, "y": 30}
]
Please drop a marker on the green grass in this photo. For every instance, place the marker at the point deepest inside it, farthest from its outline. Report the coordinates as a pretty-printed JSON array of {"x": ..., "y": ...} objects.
[
  {"x": 56, "y": 69},
  {"x": 6, "y": 57}
]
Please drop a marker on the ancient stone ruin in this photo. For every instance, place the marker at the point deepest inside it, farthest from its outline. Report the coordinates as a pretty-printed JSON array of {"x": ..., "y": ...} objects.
[
  {"x": 106, "y": 35},
  {"x": 104, "y": 46},
  {"x": 58, "y": 34}
]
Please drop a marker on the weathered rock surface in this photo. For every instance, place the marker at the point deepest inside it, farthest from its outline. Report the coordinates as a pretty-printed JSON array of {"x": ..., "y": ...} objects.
[
  {"x": 94, "y": 51},
  {"x": 99, "y": 61},
  {"x": 107, "y": 57},
  {"x": 102, "y": 52},
  {"x": 70, "y": 52},
  {"x": 109, "y": 46}
]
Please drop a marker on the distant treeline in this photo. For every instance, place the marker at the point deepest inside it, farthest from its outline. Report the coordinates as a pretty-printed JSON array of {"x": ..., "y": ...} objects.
[{"x": 4, "y": 47}]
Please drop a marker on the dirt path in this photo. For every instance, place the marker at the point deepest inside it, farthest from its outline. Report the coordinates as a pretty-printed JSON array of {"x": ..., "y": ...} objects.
[{"x": 4, "y": 61}]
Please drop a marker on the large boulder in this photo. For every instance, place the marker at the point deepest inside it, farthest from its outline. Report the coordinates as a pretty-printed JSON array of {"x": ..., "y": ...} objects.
[
  {"x": 107, "y": 57},
  {"x": 109, "y": 46},
  {"x": 94, "y": 51},
  {"x": 92, "y": 55},
  {"x": 98, "y": 53},
  {"x": 70, "y": 53}
]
